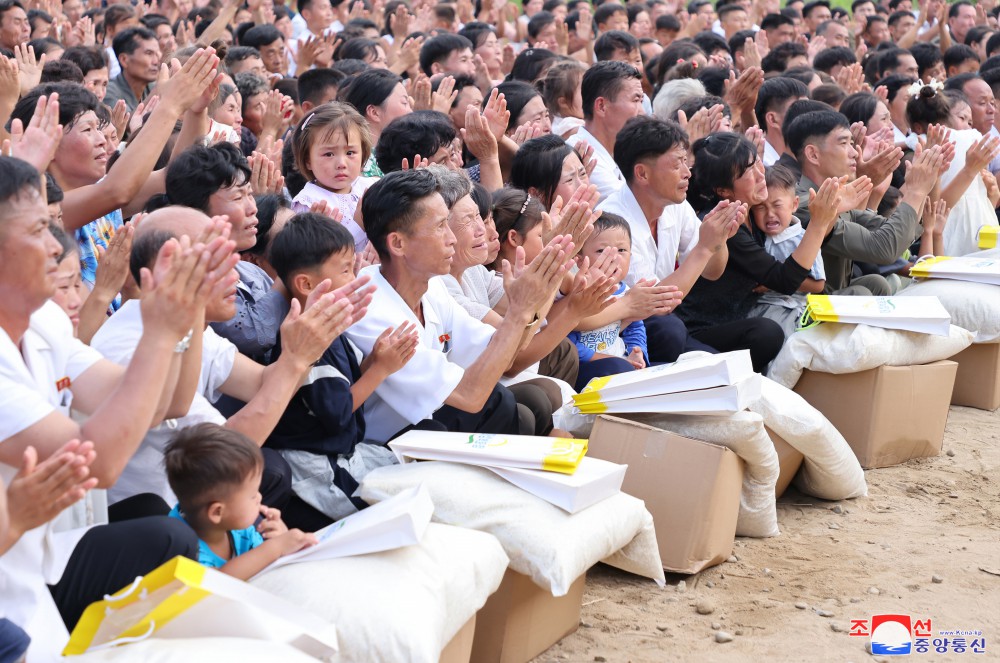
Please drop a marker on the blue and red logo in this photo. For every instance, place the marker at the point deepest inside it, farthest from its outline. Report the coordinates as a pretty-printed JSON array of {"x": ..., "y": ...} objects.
[{"x": 891, "y": 635}]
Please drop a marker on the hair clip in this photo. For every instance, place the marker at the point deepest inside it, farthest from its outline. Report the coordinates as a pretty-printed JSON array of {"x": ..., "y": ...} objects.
[
  {"x": 305, "y": 122},
  {"x": 525, "y": 205}
]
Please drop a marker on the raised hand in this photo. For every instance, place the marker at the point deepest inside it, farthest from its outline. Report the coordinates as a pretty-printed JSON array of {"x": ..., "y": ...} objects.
[
  {"x": 182, "y": 89},
  {"x": 40, "y": 491},
  {"x": 305, "y": 335},
  {"x": 982, "y": 153},
  {"x": 445, "y": 95},
  {"x": 113, "y": 262},
  {"x": 29, "y": 68},
  {"x": 265, "y": 175},
  {"x": 496, "y": 113},
  {"x": 420, "y": 93},
  {"x": 529, "y": 287},
  {"x": 854, "y": 194},
  {"x": 923, "y": 172},
  {"x": 647, "y": 298},
  {"x": 37, "y": 143},
  {"x": 477, "y": 136},
  {"x": 392, "y": 349},
  {"x": 823, "y": 204},
  {"x": 720, "y": 224},
  {"x": 882, "y": 162}
]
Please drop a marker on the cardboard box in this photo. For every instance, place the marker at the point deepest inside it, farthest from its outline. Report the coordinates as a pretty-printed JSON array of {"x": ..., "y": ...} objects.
[
  {"x": 889, "y": 414},
  {"x": 521, "y": 620},
  {"x": 459, "y": 650},
  {"x": 691, "y": 487},
  {"x": 789, "y": 462},
  {"x": 978, "y": 381}
]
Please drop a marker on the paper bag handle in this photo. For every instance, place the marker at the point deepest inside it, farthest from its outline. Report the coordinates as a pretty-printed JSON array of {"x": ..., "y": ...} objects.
[
  {"x": 125, "y": 641},
  {"x": 111, "y": 598}
]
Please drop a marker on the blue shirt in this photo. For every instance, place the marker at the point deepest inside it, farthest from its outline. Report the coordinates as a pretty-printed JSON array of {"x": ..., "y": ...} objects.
[
  {"x": 242, "y": 540},
  {"x": 91, "y": 240}
]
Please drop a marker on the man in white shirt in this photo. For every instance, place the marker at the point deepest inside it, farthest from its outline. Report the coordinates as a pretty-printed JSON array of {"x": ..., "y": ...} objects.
[
  {"x": 44, "y": 371},
  {"x": 669, "y": 244},
  {"x": 453, "y": 375},
  {"x": 223, "y": 370},
  {"x": 612, "y": 94},
  {"x": 773, "y": 100}
]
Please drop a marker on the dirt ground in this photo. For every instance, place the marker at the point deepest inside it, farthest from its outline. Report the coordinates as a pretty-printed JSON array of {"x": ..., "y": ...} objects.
[{"x": 924, "y": 542}]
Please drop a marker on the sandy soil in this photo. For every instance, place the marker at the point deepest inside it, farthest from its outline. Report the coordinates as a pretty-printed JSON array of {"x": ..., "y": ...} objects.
[{"x": 929, "y": 520}]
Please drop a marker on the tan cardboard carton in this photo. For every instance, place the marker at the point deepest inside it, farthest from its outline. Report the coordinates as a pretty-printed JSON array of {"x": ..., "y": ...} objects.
[
  {"x": 459, "y": 650},
  {"x": 978, "y": 381},
  {"x": 789, "y": 462},
  {"x": 521, "y": 620},
  {"x": 888, "y": 414},
  {"x": 691, "y": 487}
]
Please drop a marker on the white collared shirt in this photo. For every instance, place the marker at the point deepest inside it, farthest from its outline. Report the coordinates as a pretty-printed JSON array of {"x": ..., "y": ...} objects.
[
  {"x": 35, "y": 381},
  {"x": 771, "y": 155},
  {"x": 450, "y": 341},
  {"x": 117, "y": 340},
  {"x": 606, "y": 176},
  {"x": 676, "y": 231}
]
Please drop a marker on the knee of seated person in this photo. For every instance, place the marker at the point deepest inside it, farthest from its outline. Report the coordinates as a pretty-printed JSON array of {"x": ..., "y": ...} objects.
[
  {"x": 170, "y": 536},
  {"x": 765, "y": 339},
  {"x": 525, "y": 420}
]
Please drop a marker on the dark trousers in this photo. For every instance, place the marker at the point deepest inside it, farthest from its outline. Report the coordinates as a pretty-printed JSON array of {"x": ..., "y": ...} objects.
[
  {"x": 667, "y": 338},
  {"x": 534, "y": 408},
  {"x": 110, "y": 557},
  {"x": 563, "y": 362},
  {"x": 499, "y": 415},
  {"x": 763, "y": 337}
]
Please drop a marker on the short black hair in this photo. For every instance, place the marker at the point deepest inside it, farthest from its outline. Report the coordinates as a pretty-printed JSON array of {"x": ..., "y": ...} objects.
[
  {"x": 893, "y": 83},
  {"x": 394, "y": 203},
  {"x": 739, "y": 40},
  {"x": 268, "y": 206},
  {"x": 606, "y": 11},
  {"x": 261, "y": 35},
  {"x": 953, "y": 11},
  {"x": 645, "y": 137},
  {"x": 831, "y": 57},
  {"x": 314, "y": 83},
  {"x": 439, "y": 48},
  {"x": 817, "y": 124},
  {"x": 74, "y": 101},
  {"x": 957, "y": 54},
  {"x": 531, "y": 63},
  {"x": 206, "y": 462},
  {"x": 611, "y": 221},
  {"x": 858, "y": 3},
  {"x": 859, "y": 107},
  {"x": 809, "y": 6},
  {"x": 357, "y": 48},
  {"x": 200, "y": 171},
  {"x": 989, "y": 64},
  {"x": 539, "y": 22},
  {"x": 896, "y": 16},
  {"x": 614, "y": 40},
  {"x": 714, "y": 79},
  {"x": 517, "y": 94},
  {"x": 801, "y": 107},
  {"x": 772, "y": 21},
  {"x": 692, "y": 105},
  {"x": 483, "y": 199},
  {"x": 668, "y": 22},
  {"x": 777, "y": 59},
  {"x": 960, "y": 81},
  {"x": 927, "y": 55},
  {"x": 87, "y": 58},
  {"x": 145, "y": 248},
  {"x": 420, "y": 132},
  {"x": 774, "y": 93},
  {"x": 239, "y": 54},
  {"x": 56, "y": 71},
  {"x": 538, "y": 163},
  {"x": 710, "y": 42},
  {"x": 605, "y": 80},
  {"x": 307, "y": 241},
  {"x": 369, "y": 88},
  {"x": 719, "y": 160},
  {"x": 16, "y": 177},
  {"x": 128, "y": 40}
]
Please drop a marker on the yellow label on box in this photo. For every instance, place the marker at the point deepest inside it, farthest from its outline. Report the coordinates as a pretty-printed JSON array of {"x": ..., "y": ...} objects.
[
  {"x": 821, "y": 308},
  {"x": 565, "y": 455}
]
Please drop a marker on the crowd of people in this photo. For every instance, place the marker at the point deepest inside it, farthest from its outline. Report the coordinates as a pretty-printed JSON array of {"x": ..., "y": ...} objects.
[{"x": 243, "y": 245}]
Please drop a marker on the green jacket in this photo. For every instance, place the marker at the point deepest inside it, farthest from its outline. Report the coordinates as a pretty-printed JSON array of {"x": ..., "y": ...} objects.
[{"x": 860, "y": 235}]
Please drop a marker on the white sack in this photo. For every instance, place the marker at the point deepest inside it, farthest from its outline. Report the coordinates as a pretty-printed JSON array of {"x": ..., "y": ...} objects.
[
  {"x": 842, "y": 348},
  {"x": 830, "y": 469},
  {"x": 973, "y": 306},
  {"x": 544, "y": 542},
  {"x": 399, "y": 605}
]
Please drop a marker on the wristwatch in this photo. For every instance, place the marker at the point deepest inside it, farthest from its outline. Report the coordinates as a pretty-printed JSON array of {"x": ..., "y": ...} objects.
[{"x": 184, "y": 343}]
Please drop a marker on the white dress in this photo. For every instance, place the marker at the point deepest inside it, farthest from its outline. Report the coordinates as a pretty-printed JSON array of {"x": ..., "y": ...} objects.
[{"x": 973, "y": 210}]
